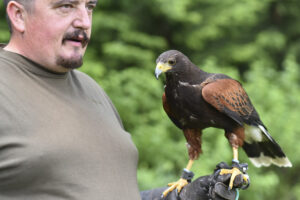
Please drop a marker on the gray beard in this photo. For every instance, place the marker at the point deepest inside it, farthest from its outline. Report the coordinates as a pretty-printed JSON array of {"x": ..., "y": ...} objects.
[{"x": 69, "y": 63}]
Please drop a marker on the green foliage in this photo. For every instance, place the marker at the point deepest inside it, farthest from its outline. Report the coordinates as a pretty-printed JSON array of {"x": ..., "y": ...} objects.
[{"x": 256, "y": 42}]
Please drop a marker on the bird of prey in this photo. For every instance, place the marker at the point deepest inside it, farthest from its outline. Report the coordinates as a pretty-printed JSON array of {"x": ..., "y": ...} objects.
[{"x": 194, "y": 100}]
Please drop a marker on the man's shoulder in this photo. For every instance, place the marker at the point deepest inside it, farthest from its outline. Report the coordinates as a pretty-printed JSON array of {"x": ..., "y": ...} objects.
[
  {"x": 84, "y": 78},
  {"x": 81, "y": 74},
  {"x": 87, "y": 82},
  {"x": 4, "y": 59},
  {"x": 10, "y": 62},
  {"x": 7, "y": 65}
]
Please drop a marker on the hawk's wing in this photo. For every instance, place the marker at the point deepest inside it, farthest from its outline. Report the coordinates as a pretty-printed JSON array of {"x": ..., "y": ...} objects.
[{"x": 228, "y": 96}]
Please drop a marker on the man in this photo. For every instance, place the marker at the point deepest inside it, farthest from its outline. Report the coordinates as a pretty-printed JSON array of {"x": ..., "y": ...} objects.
[{"x": 60, "y": 135}]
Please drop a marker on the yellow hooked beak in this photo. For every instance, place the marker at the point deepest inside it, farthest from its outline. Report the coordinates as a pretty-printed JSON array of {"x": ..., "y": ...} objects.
[{"x": 160, "y": 68}]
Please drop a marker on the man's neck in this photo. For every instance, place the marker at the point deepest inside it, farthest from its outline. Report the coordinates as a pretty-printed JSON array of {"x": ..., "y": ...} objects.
[{"x": 13, "y": 47}]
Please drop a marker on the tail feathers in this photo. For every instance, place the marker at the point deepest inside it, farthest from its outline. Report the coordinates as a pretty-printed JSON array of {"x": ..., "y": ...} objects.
[
  {"x": 262, "y": 149},
  {"x": 266, "y": 161}
]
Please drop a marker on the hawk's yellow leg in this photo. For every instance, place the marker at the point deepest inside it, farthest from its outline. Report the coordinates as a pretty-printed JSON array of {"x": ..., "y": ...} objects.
[
  {"x": 234, "y": 171},
  {"x": 180, "y": 183}
]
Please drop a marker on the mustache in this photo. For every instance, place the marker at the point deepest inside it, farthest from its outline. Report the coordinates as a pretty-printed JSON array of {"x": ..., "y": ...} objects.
[{"x": 77, "y": 35}]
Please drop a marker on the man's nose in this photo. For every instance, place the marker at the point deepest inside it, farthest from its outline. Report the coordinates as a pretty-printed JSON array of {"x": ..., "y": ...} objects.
[{"x": 83, "y": 19}]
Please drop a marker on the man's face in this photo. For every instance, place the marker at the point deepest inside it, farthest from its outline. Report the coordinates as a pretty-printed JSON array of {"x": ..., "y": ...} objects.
[{"x": 57, "y": 32}]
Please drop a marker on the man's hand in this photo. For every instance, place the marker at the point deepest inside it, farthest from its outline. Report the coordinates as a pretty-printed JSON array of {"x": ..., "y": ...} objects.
[{"x": 213, "y": 187}]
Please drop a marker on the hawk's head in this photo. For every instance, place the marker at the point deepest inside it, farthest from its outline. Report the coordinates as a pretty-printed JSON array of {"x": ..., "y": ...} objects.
[{"x": 171, "y": 61}]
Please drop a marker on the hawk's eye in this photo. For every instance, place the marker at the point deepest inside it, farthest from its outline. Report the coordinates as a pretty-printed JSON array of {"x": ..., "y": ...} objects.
[{"x": 171, "y": 62}]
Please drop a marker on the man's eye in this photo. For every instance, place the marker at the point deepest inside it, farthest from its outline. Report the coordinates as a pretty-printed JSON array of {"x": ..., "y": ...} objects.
[
  {"x": 90, "y": 7},
  {"x": 66, "y": 7}
]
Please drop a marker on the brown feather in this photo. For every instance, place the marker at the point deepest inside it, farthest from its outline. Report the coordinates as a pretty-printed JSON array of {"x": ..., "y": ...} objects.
[
  {"x": 166, "y": 105},
  {"x": 193, "y": 138},
  {"x": 236, "y": 137},
  {"x": 227, "y": 93}
]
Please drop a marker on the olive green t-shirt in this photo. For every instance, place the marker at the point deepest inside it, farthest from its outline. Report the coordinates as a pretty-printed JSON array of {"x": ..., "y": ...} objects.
[{"x": 60, "y": 137}]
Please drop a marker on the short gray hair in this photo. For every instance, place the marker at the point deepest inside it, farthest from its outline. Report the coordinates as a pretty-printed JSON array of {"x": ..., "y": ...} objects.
[{"x": 27, "y": 5}]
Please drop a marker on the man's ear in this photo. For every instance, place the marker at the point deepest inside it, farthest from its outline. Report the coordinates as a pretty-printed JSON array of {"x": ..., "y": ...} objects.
[{"x": 16, "y": 14}]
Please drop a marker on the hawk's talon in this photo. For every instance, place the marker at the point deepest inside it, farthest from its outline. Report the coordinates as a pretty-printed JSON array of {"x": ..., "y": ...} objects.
[
  {"x": 245, "y": 186},
  {"x": 178, "y": 185},
  {"x": 234, "y": 172}
]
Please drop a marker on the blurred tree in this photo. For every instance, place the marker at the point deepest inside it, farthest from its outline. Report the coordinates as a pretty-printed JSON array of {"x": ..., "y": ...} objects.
[{"x": 256, "y": 42}]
